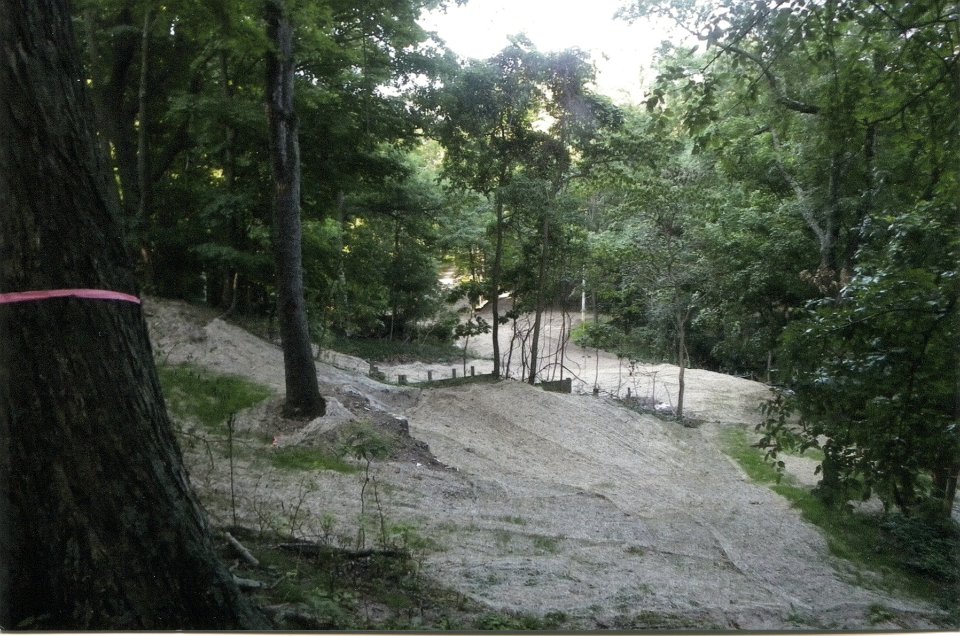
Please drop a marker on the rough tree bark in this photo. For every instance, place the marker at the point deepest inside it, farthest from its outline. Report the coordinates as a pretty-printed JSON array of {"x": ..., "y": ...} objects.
[
  {"x": 300, "y": 372},
  {"x": 99, "y": 528}
]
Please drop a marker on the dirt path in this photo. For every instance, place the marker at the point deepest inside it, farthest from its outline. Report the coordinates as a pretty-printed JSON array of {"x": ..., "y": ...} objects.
[{"x": 564, "y": 503}]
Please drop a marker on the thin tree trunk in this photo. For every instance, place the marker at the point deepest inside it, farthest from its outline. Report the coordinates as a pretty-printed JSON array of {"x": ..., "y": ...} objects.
[
  {"x": 143, "y": 151},
  {"x": 564, "y": 338},
  {"x": 228, "y": 295},
  {"x": 583, "y": 300},
  {"x": 395, "y": 305},
  {"x": 101, "y": 117},
  {"x": 99, "y": 527},
  {"x": 303, "y": 397},
  {"x": 681, "y": 381},
  {"x": 822, "y": 229},
  {"x": 682, "y": 318},
  {"x": 340, "y": 294},
  {"x": 118, "y": 115},
  {"x": 945, "y": 489},
  {"x": 541, "y": 282},
  {"x": 495, "y": 287}
]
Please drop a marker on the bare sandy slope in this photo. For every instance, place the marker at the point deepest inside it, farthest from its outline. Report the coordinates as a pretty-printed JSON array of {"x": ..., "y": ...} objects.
[{"x": 557, "y": 502}]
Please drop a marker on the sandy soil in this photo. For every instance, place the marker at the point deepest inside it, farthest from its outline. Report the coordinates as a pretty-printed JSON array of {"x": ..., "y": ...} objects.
[{"x": 543, "y": 502}]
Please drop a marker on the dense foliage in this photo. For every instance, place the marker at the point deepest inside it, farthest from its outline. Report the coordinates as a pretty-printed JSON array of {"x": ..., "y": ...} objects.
[
  {"x": 846, "y": 117},
  {"x": 179, "y": 90}
]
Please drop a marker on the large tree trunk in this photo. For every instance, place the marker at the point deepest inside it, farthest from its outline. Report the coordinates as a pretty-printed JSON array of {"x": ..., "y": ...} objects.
[
  {"x": 99, "y": 528},
  {"x": 303, "y": 394}
]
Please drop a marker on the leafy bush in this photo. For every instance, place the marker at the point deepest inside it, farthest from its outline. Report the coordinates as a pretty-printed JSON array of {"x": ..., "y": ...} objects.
[
  {"x": 872, "y": 379},
  {"x": 596, "y": 335}
]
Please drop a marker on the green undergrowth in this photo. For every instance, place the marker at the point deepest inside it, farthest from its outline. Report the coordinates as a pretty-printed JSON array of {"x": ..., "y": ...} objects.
[
  {"x": 300, "y": 458},
  {"x": 314, "y": 586},
  {"x": 332, "y": 588},
  {"x": 209, "y": 398},
  {"x": 750, "y": 458},
  {"x": 910, "y": 556}
]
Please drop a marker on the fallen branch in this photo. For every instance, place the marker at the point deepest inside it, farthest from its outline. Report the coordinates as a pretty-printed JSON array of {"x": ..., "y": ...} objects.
[
  {"x": 248, "y": 584},
  {"x": 241, "y": 550}
]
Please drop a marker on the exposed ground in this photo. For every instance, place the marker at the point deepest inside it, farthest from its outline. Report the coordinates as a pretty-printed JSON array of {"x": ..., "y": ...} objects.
[{"x": 543, "y": 502}]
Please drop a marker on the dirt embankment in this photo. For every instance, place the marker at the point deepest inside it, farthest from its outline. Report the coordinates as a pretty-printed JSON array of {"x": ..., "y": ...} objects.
[{"x": 543, "y": 502}]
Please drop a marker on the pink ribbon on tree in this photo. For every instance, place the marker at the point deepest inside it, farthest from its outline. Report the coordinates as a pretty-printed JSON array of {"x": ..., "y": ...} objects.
[{"x": 96, "y": 294}]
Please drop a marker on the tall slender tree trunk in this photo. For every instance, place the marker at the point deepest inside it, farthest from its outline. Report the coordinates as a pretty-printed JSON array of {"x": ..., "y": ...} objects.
[
  {"x": 682, "y": 317},
  {"x": 945, "y": 488},
  {"x": 115, "y": 113},
  {"x": 300, "y": 371},
  {"x": 143, "y": 154},
  {"x": 99, "y": 528},
  {"x": 681, "y": 379},
  {"x": 230, "y": 279},
  {"x": 395, "y": 301},
  {"x": 97, "y": 94},
  {"x": 495, "y": 286},
  {"x": 340, "y": 293},
  {"x": 141, "y": 222},
  {"x": 541, "y": 282}
]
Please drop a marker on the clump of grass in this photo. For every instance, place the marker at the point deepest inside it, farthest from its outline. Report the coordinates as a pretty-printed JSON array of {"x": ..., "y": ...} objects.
[
  {"x": 502, "y": 538},
  {"x": 516, "y": 520},
  {"x": 301, "y": 458},
  {"x": 635, "y": 550},
  {"x": 543, "y": 543},
  {"x": 750, "y": 458},
  {"x": 207, "y": 397}
]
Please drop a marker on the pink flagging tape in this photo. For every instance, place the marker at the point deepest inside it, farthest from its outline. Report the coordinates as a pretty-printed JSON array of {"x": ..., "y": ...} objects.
[{"x": 96, "y": 294}]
